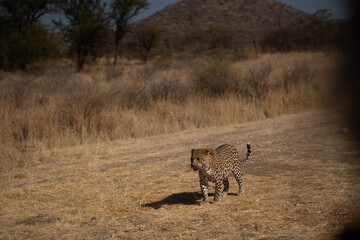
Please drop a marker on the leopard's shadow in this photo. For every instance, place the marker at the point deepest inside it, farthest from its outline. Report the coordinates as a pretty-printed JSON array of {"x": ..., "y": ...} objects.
[{"x": 184, "y": 198}]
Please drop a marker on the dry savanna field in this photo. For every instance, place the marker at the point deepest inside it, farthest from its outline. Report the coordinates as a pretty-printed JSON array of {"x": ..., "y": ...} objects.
[
  {"x": 105, "y": 154},
  {"x": 301, "y": 182},
  {"x": 52, "y": 107}
]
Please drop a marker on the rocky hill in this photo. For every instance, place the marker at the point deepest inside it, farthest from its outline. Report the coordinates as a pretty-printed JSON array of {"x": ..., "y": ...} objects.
[{"x": 248, "y": 20}]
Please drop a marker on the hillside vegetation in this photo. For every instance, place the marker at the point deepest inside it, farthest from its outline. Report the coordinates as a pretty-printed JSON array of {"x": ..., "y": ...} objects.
[
  {"x": 247, "y": 20},
  {"x": 98, "y": 29},
  {"x": 56, "y": 107}
]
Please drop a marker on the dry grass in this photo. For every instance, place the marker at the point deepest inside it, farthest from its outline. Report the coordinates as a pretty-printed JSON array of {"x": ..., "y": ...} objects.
[
  {"x": 56, "y": 108},
  {"x": 301, "y": 182}
]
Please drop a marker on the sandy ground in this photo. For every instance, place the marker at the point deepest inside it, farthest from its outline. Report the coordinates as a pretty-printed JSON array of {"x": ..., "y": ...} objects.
[{"x": 302, "y": 182}]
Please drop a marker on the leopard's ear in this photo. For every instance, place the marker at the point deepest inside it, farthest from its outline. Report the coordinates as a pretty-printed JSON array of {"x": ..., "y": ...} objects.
[{"x": 192, "y": 151}]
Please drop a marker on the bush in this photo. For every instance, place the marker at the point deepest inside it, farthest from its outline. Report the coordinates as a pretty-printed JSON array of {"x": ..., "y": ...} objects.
[
  {"x": 296, "y": 74},
  {"x": 257, "y": 79},
  {"x": 169, "y": 89},
  {"x": 134, "y": 96},
  {"x": 214, "y": 78}
]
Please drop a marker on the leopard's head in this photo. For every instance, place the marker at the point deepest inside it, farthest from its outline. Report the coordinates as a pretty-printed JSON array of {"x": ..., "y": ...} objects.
[{"x": 200, "y": 158}]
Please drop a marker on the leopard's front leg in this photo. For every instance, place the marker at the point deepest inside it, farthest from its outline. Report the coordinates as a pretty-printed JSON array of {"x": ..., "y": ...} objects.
[
  {"x": 219, "y": 185},
  {"x": 204, "y": 187}
]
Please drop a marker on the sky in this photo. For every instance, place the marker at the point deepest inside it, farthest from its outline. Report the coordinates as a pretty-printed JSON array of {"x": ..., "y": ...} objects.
[{"x": 338, "y": 7}]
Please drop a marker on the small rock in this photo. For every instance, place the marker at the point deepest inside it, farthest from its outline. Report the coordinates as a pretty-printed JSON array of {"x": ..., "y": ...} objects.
[
  {"x": 346, "y": 130},
  {"x": 98, "y": 218}
]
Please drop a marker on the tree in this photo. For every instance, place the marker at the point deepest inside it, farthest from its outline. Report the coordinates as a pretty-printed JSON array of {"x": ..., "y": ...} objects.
[
  {"x": 122, "y": 12},
  {"x": 279, "y": 39},
  {"x": 317, "y": 31},
  {"x": 321, "y": 26},
  {"x": 87, "y": 27},
  {"x": 19, "y": 13},
  {"x": 145, "y": 40},
  {"x": 23, "y": 40}
]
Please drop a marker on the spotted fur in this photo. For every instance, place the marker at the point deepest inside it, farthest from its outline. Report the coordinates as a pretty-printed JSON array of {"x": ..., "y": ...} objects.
[{"x": 214, "y": 165}]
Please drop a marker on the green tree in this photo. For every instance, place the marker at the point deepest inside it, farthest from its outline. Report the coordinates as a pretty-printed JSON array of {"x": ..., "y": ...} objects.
[
  {"x": 121, "y": 13},
  {"x": 23, "y": 40},
  {"x": 87, "y": 27}
]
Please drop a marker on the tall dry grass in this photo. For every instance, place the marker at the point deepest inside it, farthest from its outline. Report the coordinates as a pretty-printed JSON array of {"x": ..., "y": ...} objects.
[{"x": 54, "y": 108}]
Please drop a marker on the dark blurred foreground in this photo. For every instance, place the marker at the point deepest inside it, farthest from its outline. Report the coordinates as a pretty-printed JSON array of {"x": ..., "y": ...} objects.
[{"x": 349, "y": 88}]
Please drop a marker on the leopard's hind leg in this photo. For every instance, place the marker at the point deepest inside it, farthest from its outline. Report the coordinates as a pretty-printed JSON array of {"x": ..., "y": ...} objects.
[{"x": 238, "y": 176}]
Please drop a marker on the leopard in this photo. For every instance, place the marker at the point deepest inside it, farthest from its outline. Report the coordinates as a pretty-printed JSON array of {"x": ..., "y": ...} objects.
[{"x": 214, "y": 165}]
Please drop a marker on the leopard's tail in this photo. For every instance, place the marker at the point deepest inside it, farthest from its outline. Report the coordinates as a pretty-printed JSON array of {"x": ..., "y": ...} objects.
[{"x": 248, "y": 154}]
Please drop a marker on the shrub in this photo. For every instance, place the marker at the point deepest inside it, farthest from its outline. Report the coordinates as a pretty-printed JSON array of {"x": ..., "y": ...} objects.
[
  {"x": 169, "y": 89},
  {"x": 296, "y": 74},
  {"x": 257, "y": 79},
  {"x": 214, "y": 78},
  {"x": 134, "y": 96}
]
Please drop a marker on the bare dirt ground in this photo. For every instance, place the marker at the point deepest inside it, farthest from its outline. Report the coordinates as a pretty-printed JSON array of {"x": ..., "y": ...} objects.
[{"x": 302, "y": 182}]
